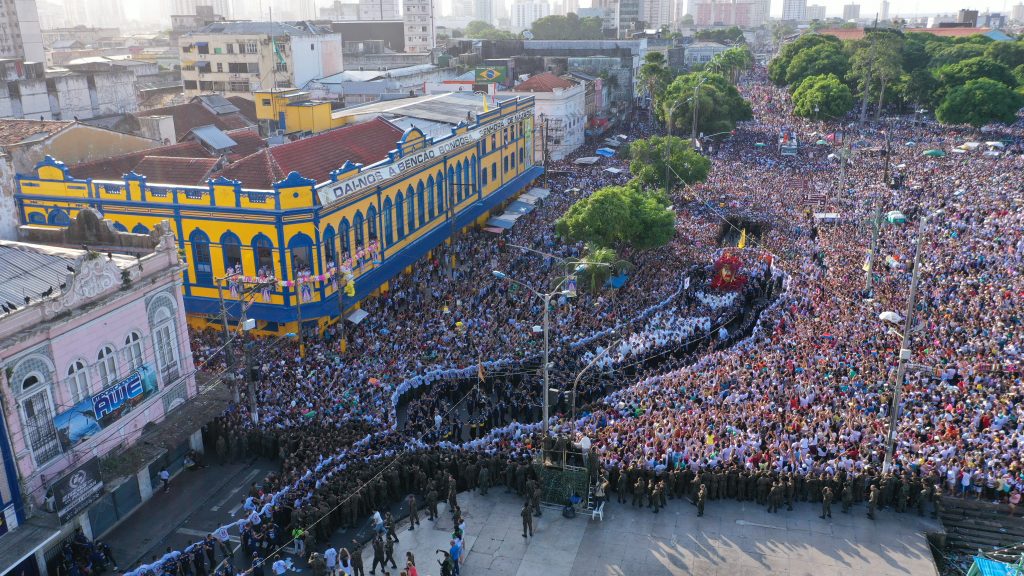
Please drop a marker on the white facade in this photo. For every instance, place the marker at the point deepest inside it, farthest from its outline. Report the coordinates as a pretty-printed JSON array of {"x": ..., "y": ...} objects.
[
  {"x": 795, "y": 10},
  {"x": 656, "y": 13},
  {"x": 20, "y": 35},
  {"x": 378, "y": 10},
  {"x": 418, "y": 24},
  {"x": 561, "y": 116},
  {"x": 883, "y": 11},
  {"x": 220, "y": 7},
  {"x": 851, "y": 12},
  {"x": 1017, "y": 13},
  {"x": 526, "y": 12},
  {"x": 483, "y": 10},
  {"x": 815, "y": 12}
]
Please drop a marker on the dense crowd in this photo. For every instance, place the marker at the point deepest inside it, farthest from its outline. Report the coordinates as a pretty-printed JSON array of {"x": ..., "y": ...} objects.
[{"x": 439, "y": 382}]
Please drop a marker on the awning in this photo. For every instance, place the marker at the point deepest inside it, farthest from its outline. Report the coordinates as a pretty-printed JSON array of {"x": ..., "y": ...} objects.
[
  {"x": 357, "y": 316},
  {"x": 613, "y": 170},
  {"x": 613, "y": 143},
  {"x": 520, "y": 207},
  {"x": 587, "y": 160},
  {"x": 540, "y": 192},
  {"x": 528, "y": 198},
  {"x": 202, "y": 43},
  {"x": 504, "y": 222},
  {"x": 493, "y": 229},
  {"x": 606, "y": 152}
]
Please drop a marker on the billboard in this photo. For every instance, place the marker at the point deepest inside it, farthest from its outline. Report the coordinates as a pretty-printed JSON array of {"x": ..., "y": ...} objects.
[
  {"x": 87, "y": 418},
  {"x": 489, "y": 74},
  {"x": 76, "y": 491}
]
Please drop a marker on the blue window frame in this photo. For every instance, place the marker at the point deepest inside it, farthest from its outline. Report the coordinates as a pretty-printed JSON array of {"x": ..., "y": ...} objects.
[
  {"x": 201, "y": 261},
  {"x": 330, "y": 250},
  {"x": 36, "y": 218},
  {"x": 263, "y": 255},
  {"x": 301, "y": 248},
  {"x": 231, "y": 251},
  {"x": 345, "y": 239},
  {"x": 411, "y": 207},
  {"x": 421, "y": 202},
  {"x": 430, "y": 198},
  {"x": 357, "y": 225},
  {"x": 400, "y": 214},
  {"x": 140, "y": 229},
  {"x": 389, "y": 237},
  {"x": 371, "y": 223},
  {"x": 58, "y": 217}
]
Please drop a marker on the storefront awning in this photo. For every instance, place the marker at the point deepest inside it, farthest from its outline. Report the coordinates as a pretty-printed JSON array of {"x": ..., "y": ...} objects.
[{"x": 587, "y": 160}]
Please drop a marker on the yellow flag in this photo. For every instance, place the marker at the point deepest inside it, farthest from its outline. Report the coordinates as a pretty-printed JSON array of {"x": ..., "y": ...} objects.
[
  {"x": 743, "y": 239},
  {"x": 867, "y": 262},
  {"x": 484, "y": 96}
]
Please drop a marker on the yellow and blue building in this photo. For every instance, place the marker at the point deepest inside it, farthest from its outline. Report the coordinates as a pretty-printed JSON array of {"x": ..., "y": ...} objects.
[{"x": 367, "y": 221}]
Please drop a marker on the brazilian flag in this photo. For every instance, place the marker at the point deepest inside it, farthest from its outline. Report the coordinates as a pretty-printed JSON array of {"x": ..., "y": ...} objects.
[{"x": 491, "y": 74}]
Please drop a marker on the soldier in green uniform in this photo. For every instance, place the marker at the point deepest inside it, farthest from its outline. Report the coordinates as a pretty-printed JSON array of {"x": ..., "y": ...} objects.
[
  {"x": 872, "y": 501},
  {"x": 789, "y": 489},
  {"x": 638, "y": 492},
  {"x": 484, "y": 480},
  {"x": 904, "y": 497},
  {"x": 847, "y": 497},
  {"x": 936, "y": 501},
  {"x": 826, "y": 502},
  {"x": 527, "y": 515},
  {"x": 538, "y": 491},
  {"x": 702, "y": 495},
  {"x": 657, "y": 493},
  {"x": 431, "y": 503}
]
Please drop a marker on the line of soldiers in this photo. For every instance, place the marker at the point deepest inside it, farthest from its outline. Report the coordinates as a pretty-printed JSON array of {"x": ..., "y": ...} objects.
[{"x": 640, "y": 486}]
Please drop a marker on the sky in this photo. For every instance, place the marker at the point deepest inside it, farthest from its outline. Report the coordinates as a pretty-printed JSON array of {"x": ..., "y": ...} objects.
[{"x": 135, "y": 9}]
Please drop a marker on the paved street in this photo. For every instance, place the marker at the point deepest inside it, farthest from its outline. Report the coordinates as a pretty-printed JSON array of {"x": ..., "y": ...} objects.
[{"x": 731, "y": 539}]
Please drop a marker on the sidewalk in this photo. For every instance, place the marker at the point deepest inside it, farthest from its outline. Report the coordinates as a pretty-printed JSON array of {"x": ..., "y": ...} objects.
[{"x": 149, "y": 530}]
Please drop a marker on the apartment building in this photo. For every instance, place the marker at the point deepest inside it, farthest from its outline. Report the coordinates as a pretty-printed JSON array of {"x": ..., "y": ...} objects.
[
  {"x": 238, "y": 58},
  {"x": 418, "y": 22}
]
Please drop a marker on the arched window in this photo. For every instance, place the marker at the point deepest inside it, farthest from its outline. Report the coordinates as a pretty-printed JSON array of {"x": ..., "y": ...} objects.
[
  {"x": 459, "y": 190},
  {"x": 231, "y": 250},
  {"x": 440, "y": 193},
  {"x": 472, "y": 174},
  {"x": 466, "y": 190},
  {"x": 78, "y": 381},
  {"x": 410, "y": 216},
  {"x": 430, "y": 198},
  {"x": 107, "y": 362},
  {"x": 201, "y": 261},
  {"x": 165, "y": 344},
  {"x": 330, "y": 250},
  {"x": 133, "y": 350},
  {"x": 37, "y": 414},
  {"x": 263, "y": 255},
  {"x": 371, "y": 223},
  {"x": 400, "y": 214},
  {"x": 389, "y": 237},
  {"x": 301, "y": 247},
  {"x": 140, "y": 229},
  {"x": 421, "y": 204},
  {"x": 36, "y": 218},
  {"x": 345, "y": 239},
  {"x": 357, "y": 225},
  {"x": 452, "y": 189},
  {"x": 58, "y": 217},
  {"x": 120, "y": 227}
]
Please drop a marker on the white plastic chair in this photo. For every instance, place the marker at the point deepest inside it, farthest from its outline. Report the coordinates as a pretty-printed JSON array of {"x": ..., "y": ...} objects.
[{"x": 598, "y": 512}]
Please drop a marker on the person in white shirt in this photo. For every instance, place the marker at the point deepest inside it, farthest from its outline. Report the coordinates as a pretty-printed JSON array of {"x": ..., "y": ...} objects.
[
  {"x": 331, "y": 558},
  {"x": 279, "y": 566}
]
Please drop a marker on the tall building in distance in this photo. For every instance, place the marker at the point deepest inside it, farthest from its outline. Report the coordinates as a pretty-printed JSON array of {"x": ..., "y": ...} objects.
[
  {"x": 572, "y": 6},
  {"x": 795, "y": 10},
  {"x": 851, "y": 12},
  {"x": 630, "y": 12},
  {"x": 221, "y": 7},
  {"x": 656, "y": 13},
  {"x": 483, "y": 10},
  {"x": 418, "y": 22},
  {"x": 1017, "y": 13},
  {"x": 20, "y": 36},
  {"x": 968, "y": 17},
  {"x": 525, "y": 12},
  {"x": 883, "y": 12},
  {"x": 814, "y": 12},
  {"x": 378, "y": 10},
  {"x": 742, "y": 13}
]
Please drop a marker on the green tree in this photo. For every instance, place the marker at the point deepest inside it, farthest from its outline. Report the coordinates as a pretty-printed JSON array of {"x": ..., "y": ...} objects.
[
  {"x": 1009, "y": 54},
  {"x": 647, "y": 161},
  {"x": 1018, "y": 73},
  {"x": 953, "y": 75},
  {"x": 876, "y": 63},
  {"x": 951, "y": 54},
  {"x": 779, "y": 66},
  {"x": 919, "y": 87},
  {"x": 723, "y": 35},
  {"x": 607, "y": 263},
  {"x": 980, "y": 102},
  {"x": 719, "y": 108},
  {"x": 478, "y": 29},
  {"x": 619, "y": 215},
  {"x": 732, "y": 62},
  {"x": 654, "y": 75},
  {"x": 568, "y": 27},
  {"x": 815, "y": 61},
  {"x": 823, "y": 96}
]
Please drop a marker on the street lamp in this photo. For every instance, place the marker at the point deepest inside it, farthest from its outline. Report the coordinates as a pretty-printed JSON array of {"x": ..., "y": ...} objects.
[
  {"x": 546, "y": 298},
  {"x": 905, "y": 353},
  {"x": 579, "y": 376}
]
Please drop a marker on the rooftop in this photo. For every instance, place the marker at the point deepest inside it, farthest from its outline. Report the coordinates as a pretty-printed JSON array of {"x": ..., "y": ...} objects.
[
  {"x": 14, "y": 132},
  {"x": 449, "y": 107},
  {"x": 316, "y": 156},
  {"x": 263, "y": 28},
  {"x": 370, "y": 75},
  {"x": 224, "y": 113},
  {"x": 186, "y": 171},
  {"x": 544, "y": 82}
]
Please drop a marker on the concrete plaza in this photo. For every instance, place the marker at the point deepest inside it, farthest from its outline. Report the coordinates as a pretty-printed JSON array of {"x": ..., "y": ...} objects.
[{"x": 731, "y": 539}]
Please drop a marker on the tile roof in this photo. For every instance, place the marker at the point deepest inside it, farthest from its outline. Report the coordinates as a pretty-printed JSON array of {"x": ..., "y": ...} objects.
[
  {"x": 117, "y": 166},
  {"x": 248, "y": 141},
  {"x": 245, "y": 106},
  {"x": 858, "y": 33},
  {"x": 14, "y": 132},
  {"x": 171, "y": 170},
  {"x": 194, "y": 114},
  {"x": 545, "y": 82},
  {"x": 316, "y": 156}
]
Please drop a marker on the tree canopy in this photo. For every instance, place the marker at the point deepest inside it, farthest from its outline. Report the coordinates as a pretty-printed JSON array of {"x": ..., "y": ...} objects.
[
  {"x": 478, "y": 29},
  {"x": 979, "y": 102},
  {"x": 720, "y": 104},
  {"x": 822, "y": 96},
  {"x": 828, "y": 58},
  {"x": 647, "y": 161},
  {"x": 722, "y": 35},
  {"x": 732, "y": 62},
  {"x": 654, "y": 74},
  {"x": 568, "y": 27},
  {"x": 620, "y": 215},
  {"x": 778, "y": 68}
]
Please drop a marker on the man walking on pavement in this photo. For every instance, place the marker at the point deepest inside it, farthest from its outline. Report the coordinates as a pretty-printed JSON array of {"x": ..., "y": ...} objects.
[
  {"x": 527, "y": 515},
  {"x": 414, "y": 516},
  {"x": 702, "y": 496},
  {"x": 873, "y": 501},
  {"x": 378, "y": 554},
  {"x": 165, "y": 479}
]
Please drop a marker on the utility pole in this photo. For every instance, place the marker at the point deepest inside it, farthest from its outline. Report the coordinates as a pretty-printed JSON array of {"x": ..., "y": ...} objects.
[
  {"x": 876, "y": 224},
  {"x": 668, "y": 146},
  {"x": 901, "y": 370},
  {"x": 341, "y": 306},
  {"x": 229, "y": 354},
  {"x": 298, "y": 303},
  {"x": 888, "y": 153},
  {"x": 547, "y": 390},
  {"x": 249, "y": 369}
]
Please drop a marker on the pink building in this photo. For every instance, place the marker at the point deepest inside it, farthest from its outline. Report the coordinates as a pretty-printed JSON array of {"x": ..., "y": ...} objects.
[{"x": 93, "y": 345}]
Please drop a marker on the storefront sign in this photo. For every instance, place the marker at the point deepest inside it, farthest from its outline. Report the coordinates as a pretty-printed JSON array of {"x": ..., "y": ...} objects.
[
  {"x": 372, "y": 176},
  {"x": 76, "y": 491}
]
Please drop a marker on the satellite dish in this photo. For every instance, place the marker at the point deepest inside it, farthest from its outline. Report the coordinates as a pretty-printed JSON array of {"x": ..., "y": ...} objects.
[{"x": 527, "y": 35}]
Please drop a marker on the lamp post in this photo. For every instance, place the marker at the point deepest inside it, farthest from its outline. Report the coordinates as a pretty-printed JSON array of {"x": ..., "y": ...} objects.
[
  {"x": 905, "y": 353},
  {"x": 546, "y": 298},
  {"x": 251, "y": 290},
  {"x": 579, "y": 377}
]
